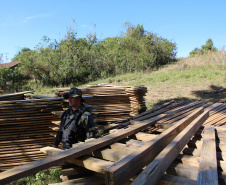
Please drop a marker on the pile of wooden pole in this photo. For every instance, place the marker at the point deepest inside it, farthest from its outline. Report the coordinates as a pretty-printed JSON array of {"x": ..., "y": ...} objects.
[
  {"x": 113, "y": 103},
  {"x": 25, "y": 127},
  {"x": 14, "y": 96},
  {"x": 176, "y": 143}
]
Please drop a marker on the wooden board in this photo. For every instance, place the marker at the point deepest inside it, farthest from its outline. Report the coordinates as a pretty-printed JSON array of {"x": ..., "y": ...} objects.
[
  {"x": 83, "y": 149},
  {"x": 207, "y": 174},
  {"x": 153, "y": 172},
  {"x": 124, "y": 169}
]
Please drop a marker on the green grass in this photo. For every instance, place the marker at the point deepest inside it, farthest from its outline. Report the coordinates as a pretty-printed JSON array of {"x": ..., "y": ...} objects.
[
  {"x": 41, "y": 178},
  {"x": 188, "y": 79}
]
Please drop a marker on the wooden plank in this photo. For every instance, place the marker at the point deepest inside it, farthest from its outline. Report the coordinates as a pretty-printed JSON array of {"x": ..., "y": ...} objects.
[
  {"x": 197, "y": 153},
  {"x": 182, "y": 170},
  {"x": 207, "y": 174},
  {"x": 18, "y": 93},
  {"x": 144, "y": 136},
  {"x": 188, "y": 160},
  {"x": 153, "y": 172},
  {"x": 83, "y": 149},
  {"x": 171, "y": 179},
  {"x": 124, "y": 169},
  {"x": 123, "y": 147},
  {"x": 193, "y": 161},
  {"x": 109, "y": 154},
  {"x": 90, "y": 163}
]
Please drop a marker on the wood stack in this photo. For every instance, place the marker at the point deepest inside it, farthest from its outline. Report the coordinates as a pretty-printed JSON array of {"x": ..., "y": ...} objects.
[
  {"x": 152, "y": 144},
  {"x": 176, "y": 143},
  {"x": 25, "y": 127},
  {"x": 113, "y": 103},
  {"x": 14, "y": 96}
]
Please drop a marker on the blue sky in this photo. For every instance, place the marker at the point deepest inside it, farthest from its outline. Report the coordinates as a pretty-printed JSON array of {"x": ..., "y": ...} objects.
[{"x": 189, "y": 24}]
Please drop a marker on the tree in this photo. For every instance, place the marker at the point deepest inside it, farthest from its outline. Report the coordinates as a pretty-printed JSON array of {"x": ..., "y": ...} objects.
[
  {"x": 208, "y": 46},
  {"x": 23, "y": 50},
  {"x": 204, "y": 48}
]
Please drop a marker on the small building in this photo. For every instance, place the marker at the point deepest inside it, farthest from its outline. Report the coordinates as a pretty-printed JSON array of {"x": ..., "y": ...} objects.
[{"x": 11, "y": 65}]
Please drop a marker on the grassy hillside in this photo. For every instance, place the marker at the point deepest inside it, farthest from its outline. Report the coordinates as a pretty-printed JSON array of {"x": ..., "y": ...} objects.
[{"x": 197, "y": 78}]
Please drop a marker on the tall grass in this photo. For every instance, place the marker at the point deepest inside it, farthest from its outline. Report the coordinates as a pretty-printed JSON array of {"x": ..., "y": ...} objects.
[{"x": 187, "y": 79}]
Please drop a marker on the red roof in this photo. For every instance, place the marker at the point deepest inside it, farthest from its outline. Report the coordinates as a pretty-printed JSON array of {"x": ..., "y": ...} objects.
[{"x": 10, "y": 64}]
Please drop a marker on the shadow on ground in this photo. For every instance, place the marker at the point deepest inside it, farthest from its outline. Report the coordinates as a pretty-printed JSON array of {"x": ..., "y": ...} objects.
[{"x": 213, "y": 94}]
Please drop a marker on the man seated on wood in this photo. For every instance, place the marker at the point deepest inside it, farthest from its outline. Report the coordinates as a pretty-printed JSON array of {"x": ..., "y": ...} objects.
[{"x": 76, "y": 122}]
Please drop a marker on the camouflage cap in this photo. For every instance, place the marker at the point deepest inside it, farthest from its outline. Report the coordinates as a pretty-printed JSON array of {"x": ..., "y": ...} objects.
[{"x": 74, "y": 92}]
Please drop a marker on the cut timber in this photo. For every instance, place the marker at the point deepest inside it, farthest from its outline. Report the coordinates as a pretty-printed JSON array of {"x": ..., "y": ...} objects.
[
  {"x": 182, "y": 170},
  {"x": 81, "y": 150},
  {"x": 90, "y": 163},
  {"x": 153, "y": 172},
  {"x": 208, "y": 161},
  {"x": 189, "y": 172},
  {"x": 123, "y": 147},
  {"x": 197, "y": 153},
  {"x": 171, "y": 179},
  {"x": 193, "y": 161},
  {"x": 124, "y": 169},
  {"x": 109, "y": 154},
  {"x": 145, "y": 137}
]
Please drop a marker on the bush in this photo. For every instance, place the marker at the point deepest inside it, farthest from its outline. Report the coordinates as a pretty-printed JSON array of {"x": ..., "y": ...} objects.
[{"x": 81, "y": 60}]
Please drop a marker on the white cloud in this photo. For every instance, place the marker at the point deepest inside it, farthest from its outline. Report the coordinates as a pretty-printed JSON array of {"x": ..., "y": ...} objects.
[{"x": 29, "y": 18}]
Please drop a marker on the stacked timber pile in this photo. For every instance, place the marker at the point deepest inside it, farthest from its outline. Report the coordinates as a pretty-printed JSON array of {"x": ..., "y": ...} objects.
[
  {"x": 14, "y": 96},
  {"x": 113, "y": 103},
  {"x": 25, "y": 127},
  {"x": 176, "y": 143}
]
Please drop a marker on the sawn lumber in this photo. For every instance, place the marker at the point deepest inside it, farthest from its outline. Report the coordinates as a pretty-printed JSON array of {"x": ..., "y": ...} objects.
[{"x": 86, "y": 148}]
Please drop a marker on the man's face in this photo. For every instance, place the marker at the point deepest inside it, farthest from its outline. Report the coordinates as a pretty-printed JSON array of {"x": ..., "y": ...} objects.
[{"x": 74, "y": 102}]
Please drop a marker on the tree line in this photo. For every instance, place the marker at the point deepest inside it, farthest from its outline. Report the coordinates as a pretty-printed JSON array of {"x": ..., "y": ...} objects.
[{"x": 80, "y": 60}]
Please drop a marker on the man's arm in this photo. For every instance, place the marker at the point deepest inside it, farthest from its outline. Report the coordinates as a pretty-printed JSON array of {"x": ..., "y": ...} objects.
[{"x": 58, "y": 137}]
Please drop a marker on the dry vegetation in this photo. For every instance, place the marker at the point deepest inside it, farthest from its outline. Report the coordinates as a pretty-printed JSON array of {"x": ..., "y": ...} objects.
[{"x": 198, "y": 78}]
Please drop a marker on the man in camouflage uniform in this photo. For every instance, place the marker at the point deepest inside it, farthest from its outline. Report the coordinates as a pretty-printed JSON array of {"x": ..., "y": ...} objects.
[{"x": 76, "y": 122}]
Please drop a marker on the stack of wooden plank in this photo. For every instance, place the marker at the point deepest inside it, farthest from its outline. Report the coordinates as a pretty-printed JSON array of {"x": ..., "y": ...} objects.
[
  {"x": 176, "y": 143},
  {"x": 14, "y": 96},
  {"x": 113, "y": 103},
  {"x": 25, "y": 127}
]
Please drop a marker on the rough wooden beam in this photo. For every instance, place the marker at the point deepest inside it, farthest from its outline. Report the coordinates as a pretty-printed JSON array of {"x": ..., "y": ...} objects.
[
  {"x": 109, "y": 154},
  {"x": 90, "y": 163},
  {"x": 124, "y": 169},
  {"x": 208, "y": 161},
  {"x": 144, "y": 136},
  {"x": 171, "y": 179},
  {"x": 153, "y": 172}
]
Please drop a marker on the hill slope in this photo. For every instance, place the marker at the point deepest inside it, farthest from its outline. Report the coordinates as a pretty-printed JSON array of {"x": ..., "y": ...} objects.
[{"x": 198, "y": 78}]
